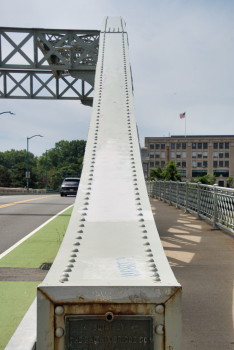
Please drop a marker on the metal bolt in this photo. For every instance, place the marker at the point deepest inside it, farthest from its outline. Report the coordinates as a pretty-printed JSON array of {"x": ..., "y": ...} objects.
[
  {"x": 67, "y": 270},
  {"x": 69, "y": 265},
  {"x": 150, "y": 260},
  {"x": 145, "y": 237},
  {"x": 63, "y": 279},
  {"x": 159, "y": 329},
  {"x": 159, "y": 309},
  {"x": 59, "y": 310},
  {"x": 59, "y": 332}
]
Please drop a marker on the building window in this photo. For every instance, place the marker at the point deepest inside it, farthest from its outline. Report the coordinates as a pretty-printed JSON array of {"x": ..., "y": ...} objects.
[
  {"x": 172, "y": 145},
  {"x": 204, "y": 154},
  {"x": 205, "y": 145},
  {"x": 157, "y": 163},
  {"x": 162, "y": 163},
  {"x": 194, "y": 145},
  {"x": 199, "y": 145},
  {"x": 221, "y": 145},
  {"x": 182, "y": 173},
  {"x": 226, "y": 154},
  {"x": 215, "y": 145},
  {"x": 151, "y": 154},
  {"x": 224, "y": 173},
  {"x": 227, "y": 163},
  {"x": 178, "y": 145},
  {"x": 184, "y": 164},
  {"x": 194, "y": 154},
  {"x": 220, "y": 154},
  {"x": 157, "y": 155},
  {"x": 215, "y": 164},
  {"x": 194, "y": 164},
  {"x": 199, "y": 164},
  {"x": 199, "y": 154},
  {"x": 178, "y": 155},
  {"x": 204, "y": 163},
  {"x": 162, "y": 154},
  {"x": 178, "y": 164},
  {"x": 198, "y": 173},
  {"x": 215, "y": 154},
  {"x": 172, "y": 155},
  {"x": 220, "y": 163},
  {"x": 183, "y": 154},
  {"x": 157, "y": 146},
  {"x": 151, "y": 164},
  {"x": 162, "y": 145},
  {"x": 151, "y": 145},
  {"x": 226, "y": 145},
  {"x": 183, "y": 145}
]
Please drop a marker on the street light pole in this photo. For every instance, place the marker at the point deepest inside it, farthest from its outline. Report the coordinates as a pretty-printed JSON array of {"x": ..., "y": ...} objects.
[
  {"x": 28, "y": 138},
  {"x": 46, "y": 165},
  {"x": 8, "y": 112}
]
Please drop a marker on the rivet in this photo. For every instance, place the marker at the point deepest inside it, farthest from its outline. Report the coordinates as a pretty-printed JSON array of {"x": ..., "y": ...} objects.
[
  {"x": 155, "y": 274},
  {"x": 159, "y": 309},
  {"x": 71, "y": 260},
  {"x": 73, "y": 255},
  {"x": 79, "y": 237},
  {"x": 153, "y": 269},
  {"x": 144, "y": 231},
  {"x": 65, "y": 274},
  {"x": 140, "y": 214},
  {"x": 152, "y": 265},
  {"x": 75, "y": 250},
  {"x": 80, "y": 231},
  {"x": 67, "y": 270},
  {"x": 59, "y": 332},
  {"x": 70, "y": 265},
  {"x": 150, "y": 260},
  {"x": 141, "y": 220},
  {"x": 137, "y": 199},
  {"x": 150, "y": 254},
  {"x": 84, "y": 214},
  {"x": 82, "y": 219},
  {"x": 63, "y": 279},
  {"x": 144, "y": 226},
  {"x": 77, "y": 243},
  {"x": 138, "y": 203},
  {"x": 146, "y": 243},
  {"x": 59, "y": 310},
  {"x": 139, "y": 209},
  {"x": 159, "y": 329},
  {"x": 157, "y": 279},
  {"x": 144, "y": 237}
]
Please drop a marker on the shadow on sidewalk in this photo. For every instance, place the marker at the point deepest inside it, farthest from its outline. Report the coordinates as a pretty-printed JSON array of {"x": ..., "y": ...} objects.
[{"x": 203, "y": 262}]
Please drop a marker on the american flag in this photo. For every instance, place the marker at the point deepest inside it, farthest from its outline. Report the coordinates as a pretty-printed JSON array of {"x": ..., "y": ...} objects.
[{"x": 182, "y": 115}]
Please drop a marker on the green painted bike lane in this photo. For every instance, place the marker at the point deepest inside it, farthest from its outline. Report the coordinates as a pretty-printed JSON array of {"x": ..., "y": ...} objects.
[{"x": 17, "y": 296}]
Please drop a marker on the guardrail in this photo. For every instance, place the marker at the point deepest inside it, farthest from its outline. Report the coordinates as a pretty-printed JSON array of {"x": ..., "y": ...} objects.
[{"x": 213, "y": 203}]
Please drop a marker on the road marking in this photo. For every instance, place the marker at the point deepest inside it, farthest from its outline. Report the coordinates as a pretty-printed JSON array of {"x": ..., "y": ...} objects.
[
  {"x": 30, "y": 234},
  {"x": 26, "y": 200}
]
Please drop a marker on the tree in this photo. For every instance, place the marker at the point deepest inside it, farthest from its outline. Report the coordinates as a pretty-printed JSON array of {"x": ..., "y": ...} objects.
[
  {"x": 205, "y": 179},
  {"x": 5, "y": 177},
  {"x": 169, "y": 172},
  {"x": 230, "y": 181}
]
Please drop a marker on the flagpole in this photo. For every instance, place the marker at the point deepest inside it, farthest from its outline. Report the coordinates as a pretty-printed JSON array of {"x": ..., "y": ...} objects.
[{"x": 185, "y": 124}]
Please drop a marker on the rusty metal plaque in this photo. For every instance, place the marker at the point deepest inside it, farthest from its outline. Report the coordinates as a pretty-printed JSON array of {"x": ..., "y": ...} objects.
[{"x": 97, "y": 333}]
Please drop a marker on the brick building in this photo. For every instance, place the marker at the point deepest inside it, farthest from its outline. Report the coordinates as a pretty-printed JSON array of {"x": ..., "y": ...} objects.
[{"x": 194, "y": 155}]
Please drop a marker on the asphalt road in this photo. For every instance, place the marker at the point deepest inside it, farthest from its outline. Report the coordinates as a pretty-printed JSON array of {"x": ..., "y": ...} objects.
[{"x": 20, "y": 215}]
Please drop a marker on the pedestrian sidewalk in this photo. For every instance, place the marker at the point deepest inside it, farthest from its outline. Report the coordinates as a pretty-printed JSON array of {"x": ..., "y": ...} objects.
[{"x": 203, "y": 262}]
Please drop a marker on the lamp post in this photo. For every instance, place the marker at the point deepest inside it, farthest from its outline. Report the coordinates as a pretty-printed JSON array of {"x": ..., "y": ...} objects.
[
  {"x": 8, "y": 112},
  {"x": 46, "y": 165},
  {"x": 28, "y": 138}
]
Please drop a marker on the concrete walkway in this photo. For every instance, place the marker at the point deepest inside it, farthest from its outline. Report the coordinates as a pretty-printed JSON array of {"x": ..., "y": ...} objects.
[{"x": 203, "y": 262}]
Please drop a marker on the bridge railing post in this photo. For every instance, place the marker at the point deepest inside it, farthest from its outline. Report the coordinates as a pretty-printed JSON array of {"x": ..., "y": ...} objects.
[
  {"x": 186, "y": 197},
  {"x": 177, "y": 195},
  {"x": 215, "y": 209},
  {"x": 170, "y": 192},
  {"x": 164, "y": 196},
  {"x": 160, "y": 195},
  {"x": 198, "y": 200}
]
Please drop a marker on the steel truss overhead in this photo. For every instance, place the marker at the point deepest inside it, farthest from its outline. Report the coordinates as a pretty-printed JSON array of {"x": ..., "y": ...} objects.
[{"x": 61, "y": 52}]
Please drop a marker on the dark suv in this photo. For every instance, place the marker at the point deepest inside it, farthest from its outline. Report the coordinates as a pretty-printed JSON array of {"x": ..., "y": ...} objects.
[{"x": 69, "y": 186}]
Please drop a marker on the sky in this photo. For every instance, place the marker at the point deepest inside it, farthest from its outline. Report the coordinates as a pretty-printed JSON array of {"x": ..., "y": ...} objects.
[{"x": 181, "y": 54}]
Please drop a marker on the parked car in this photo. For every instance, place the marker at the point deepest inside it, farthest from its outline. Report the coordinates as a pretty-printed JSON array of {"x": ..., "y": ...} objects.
[{"x": 69, "y": 186}]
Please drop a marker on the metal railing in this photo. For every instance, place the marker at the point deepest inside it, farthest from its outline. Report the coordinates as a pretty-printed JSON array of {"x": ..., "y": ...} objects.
[{"x": 213, "y": 203}]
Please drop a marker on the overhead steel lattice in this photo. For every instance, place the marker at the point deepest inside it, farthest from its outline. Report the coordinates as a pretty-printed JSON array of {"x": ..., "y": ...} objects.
[{"x": 36, "y": 62}]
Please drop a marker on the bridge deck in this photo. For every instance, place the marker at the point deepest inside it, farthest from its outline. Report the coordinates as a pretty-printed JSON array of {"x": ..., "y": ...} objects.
[{"x": 202, "y": 261}]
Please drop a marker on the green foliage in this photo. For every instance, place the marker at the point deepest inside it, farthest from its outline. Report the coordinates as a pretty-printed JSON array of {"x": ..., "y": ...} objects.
[
  {"x": 205, "y": 179},
  {"x": 66, "y": 158},
  {"x": 230, "y": 181},
  {"x": 169, "y": 172}
]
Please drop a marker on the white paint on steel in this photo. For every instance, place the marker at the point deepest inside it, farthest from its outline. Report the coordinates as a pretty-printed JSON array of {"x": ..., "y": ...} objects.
[{"x": 111, "y": 251}]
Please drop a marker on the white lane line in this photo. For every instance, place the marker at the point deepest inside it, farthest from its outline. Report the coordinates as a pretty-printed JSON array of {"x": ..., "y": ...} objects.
[{"x": 30, "y": 234}]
